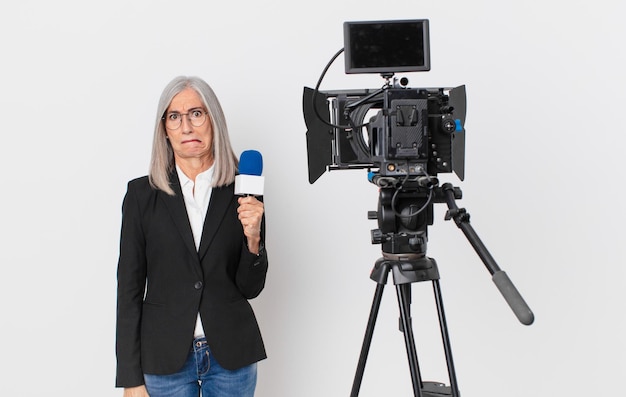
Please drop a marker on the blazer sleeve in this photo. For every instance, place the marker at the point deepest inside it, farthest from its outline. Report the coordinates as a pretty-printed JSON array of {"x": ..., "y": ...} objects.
[
  {"x": 131, "y": 283},
  {"x": 252, "y": 269}
]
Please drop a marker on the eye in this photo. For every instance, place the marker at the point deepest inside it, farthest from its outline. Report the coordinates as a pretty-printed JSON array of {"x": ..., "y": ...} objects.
[
  {"x": 196, "y": 113},
  {"x": 173, "y": 116}
]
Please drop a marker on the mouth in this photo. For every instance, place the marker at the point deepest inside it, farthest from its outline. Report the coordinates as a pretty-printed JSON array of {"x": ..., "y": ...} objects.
[{"x": 191, "y": 141}]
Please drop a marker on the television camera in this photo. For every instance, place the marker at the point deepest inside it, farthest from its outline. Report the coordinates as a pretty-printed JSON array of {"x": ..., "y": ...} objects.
[{"x": 404, "y": 137}]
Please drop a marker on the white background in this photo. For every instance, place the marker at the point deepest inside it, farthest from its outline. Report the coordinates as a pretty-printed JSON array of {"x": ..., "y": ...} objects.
[{"x": 79, "y": 85}]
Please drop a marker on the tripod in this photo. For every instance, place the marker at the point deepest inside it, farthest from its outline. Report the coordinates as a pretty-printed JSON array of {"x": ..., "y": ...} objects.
[{"x": 403, "y": 218}]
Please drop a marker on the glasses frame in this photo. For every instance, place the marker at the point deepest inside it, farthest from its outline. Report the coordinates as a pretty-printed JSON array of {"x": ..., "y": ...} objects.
[{"x": 204, "y": 113}]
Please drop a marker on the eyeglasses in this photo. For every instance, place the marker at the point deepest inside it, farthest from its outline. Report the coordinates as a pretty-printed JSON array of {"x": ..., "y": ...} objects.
[{"x": 173, "y": 120}]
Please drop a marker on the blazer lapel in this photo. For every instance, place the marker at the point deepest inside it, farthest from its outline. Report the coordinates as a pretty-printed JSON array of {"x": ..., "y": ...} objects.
[
  {"x": 220, "y": 200},
  {"x": 176, "y": 207}
]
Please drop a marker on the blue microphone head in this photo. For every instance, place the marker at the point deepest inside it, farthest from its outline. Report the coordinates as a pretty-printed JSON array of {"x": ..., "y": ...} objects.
[{"x": 251, "y": 163}]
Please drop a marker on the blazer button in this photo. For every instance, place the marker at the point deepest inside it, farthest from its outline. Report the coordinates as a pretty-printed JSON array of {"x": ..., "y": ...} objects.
[{"x": 198, "y": 285}]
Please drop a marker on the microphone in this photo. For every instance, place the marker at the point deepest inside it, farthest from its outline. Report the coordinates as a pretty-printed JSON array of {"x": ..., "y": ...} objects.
[{"x": 249, "y": 181}]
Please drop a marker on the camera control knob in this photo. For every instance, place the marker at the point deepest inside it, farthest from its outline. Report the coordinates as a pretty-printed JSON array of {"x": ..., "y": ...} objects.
[
  {"x": 377, "y": 236},
  {"x": 448, "y": 125}
]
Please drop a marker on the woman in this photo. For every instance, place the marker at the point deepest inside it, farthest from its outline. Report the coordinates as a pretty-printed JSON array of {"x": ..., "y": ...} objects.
[{"x": 191, "y": 255}]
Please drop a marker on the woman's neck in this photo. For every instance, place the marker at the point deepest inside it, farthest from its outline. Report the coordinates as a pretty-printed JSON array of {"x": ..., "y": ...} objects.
[{"x": 194, "y": 166}]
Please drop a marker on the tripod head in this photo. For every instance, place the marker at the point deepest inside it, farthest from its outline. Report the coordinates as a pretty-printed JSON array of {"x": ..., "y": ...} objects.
[{"x": 405, "y": 210}]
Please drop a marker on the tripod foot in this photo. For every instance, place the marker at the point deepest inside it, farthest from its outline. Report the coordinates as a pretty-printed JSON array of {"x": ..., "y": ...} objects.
[{"x": 435, "y": 389}]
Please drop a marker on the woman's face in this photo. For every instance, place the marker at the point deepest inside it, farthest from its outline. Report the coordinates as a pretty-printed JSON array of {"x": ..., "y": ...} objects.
[{"x": 189, "y": 141}]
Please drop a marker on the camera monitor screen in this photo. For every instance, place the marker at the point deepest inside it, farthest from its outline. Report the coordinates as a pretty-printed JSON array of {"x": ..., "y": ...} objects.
[{"x": 386, "y": 46}]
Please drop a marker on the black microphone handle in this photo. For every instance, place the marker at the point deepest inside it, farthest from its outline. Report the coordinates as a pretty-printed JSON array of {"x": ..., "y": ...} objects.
[{"x": 513, "y": 298}]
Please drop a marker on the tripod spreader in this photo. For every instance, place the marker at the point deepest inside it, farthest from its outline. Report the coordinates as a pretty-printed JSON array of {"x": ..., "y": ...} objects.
[{"x": 499, "y": 277}]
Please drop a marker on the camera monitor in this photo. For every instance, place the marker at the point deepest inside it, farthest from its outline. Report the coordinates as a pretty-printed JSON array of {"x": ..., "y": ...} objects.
[{"x": 386, "y": 46}]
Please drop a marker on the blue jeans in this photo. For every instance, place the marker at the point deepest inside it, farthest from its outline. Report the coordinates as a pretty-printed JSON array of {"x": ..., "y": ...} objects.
[{"x": 201, "y": 372}]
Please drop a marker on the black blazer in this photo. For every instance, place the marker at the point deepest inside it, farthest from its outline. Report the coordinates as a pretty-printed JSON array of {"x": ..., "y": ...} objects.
[{"x": 163, "y": 282}]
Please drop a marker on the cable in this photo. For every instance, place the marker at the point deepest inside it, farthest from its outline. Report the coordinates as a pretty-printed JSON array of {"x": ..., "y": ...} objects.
[{"x": 400, "y": 187}]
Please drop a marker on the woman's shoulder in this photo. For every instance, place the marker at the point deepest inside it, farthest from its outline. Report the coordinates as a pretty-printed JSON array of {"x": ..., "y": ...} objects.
[
  {"x": 139, "y": 184},
  {"x": 141, "y": 181},
  {"x": 141, "y": 190}
]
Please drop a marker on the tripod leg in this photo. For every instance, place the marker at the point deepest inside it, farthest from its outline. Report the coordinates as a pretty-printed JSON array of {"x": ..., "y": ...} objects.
[
  {"x": 403, "y": 291},
  {"x": 446, "y": 339},
  {"x": 367, "y": 341}
]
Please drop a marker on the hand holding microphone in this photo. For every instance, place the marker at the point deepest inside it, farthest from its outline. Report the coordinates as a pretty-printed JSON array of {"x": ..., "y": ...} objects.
[
  {"x": 249, "y": 183},
  {"x": 250, "y": 215}
]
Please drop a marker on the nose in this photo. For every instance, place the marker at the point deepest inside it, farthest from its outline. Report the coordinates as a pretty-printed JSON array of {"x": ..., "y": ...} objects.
[{"x": 186, "y": 124}]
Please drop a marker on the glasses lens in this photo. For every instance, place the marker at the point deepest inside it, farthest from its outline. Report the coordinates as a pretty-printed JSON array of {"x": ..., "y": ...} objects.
[
  {"x": 173, "y": 120},
  {"x": 197, "y": 118}
]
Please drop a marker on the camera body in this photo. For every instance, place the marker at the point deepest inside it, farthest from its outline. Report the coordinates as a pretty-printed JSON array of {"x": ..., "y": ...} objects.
[{"x": 414, "y": 132}]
